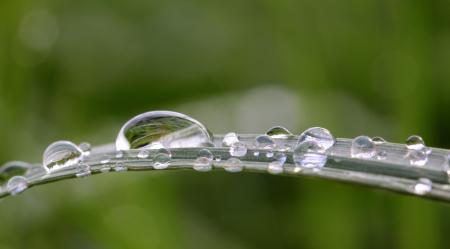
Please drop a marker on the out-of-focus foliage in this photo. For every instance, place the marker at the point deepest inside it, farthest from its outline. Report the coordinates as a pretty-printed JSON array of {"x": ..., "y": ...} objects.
[{"x": 78, "y": 69}]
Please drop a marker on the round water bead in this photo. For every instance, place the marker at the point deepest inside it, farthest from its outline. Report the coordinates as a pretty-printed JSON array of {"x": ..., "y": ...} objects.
[
  {"x": 363, "y": 147},
  {"x": 423, "y": 186},
  {"x": 61, "y": 154},
  {"x": 233, "y": 165},
  {"x": 85, "y": 147},
  {"x": 229, "y": 139},
  {"x": 277, "y": 166},
  {"x": 321, "y": 136},
  {"x": 264, "y": 142},
  {"x": 11, "y": 169},
  {"x": 309, "y": 154},
  {"x": 204, "y": 160},
  {"x": 417, "y": 151},
  {"x": 171, "y": 129},
  {"x": 414, "y": 142},
  {"x": 378, "y": 140},
  {"x": 279, "y": 132},
  {"x": 238, "y": 149},
  {"x": 16, "y": 185},
  {"x": 162, "y": 159}
]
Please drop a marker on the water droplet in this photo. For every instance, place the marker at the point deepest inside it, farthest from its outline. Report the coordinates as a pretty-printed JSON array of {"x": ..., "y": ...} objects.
[
  {"x": 143, "y": 154},
  {"x": 264, "y": 142},
  {"x": 256, "y": 153},
  {"x": 229, "y": 139},
  {"x": 16, "y": 185},
  {"x": 321, "y": 136},
  {"x": 11, "y": 169},
  {"x": 423, "y": 186},
  {"x": 61, "y": 154},
  {"x": 86, "y": 148},
  {"x": 269, "y": 154},
  {"x": 277, "y": 166},
  {"x": 204, "y": 160},
  {"x": 233, "y": 165},
  {"x": 378, "y": 140},
  {"x": 308, "y": 154},
  {"x": 119, "y": 154},
  {"x": 120, "y": 167},
  {"x": 417, "y": 151},
  {"x": 415, "y": 142},
  {"x": 162, "y": 159},
  {"x": 238, "y": 149},
  {"x": 83, "y": 170},
  {"x": 171, "y": 129},
  {"x": 218, "y": 158},
  {"x": 363, "y": 147},
  {"x": 279, "y": 132}
]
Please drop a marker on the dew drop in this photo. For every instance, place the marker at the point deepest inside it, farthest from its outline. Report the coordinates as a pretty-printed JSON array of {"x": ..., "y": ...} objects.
[
  {"x": 143, "y": 153},
  {"x": 238, "y": 149},
  {"x": 414, "y": 142},
  {"x": 120, "y": 167},
  {"x": 61, "y": 154},
  {"x": 279, "y": 132},
  {"x": 229, "y": 139},
  {"x": 171, "y": 129},
  {"x": 363, "y": 147},
  {"x": 204, "y": 160},
  {"x": 83, "y": 170},
  {"x": 277, "y": 166},
  {"x": 218, "y": 158},
  {"x": 233, "y": 165},
  {"x": 17, "y": 185},
  {"x": 264, "y": 142},
  {"x": 378, "y": 140},
  {"x": 269, "y": 154},
  {"x": 321, "y": 136},
  {"x": 417, "y": 151},
  {"x": 308, "y": 154},
  {"x": 11, "y": 169},
  {"x": 423, "y": 186},
  {"x": 85, "y": 148},
  {"x": 256, "y": 153},
  {"x": 162, "y": 159}
]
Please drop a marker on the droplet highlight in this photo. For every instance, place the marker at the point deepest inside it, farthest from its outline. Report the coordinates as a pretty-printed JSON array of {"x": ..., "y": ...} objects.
[
  {"x": 229, "y": 139},
  {"x": 423, "y": 186}
]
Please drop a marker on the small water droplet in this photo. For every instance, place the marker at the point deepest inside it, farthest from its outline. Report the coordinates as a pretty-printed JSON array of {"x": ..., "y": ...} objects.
[
  {"x": 308, "y": 154},
  {"x": 17, "y": 185},
  {"x": 162, "y": 159},
  {"x": 414, "y": 142},
  {"x": 119, "y": 154},
  {"x": 171, "y": 129},
  {"x": 218, "y": 158},
  {"x": 279, "y": 132},
  {"x": 277, "y": 166},
  {"x": 269, "y": 154},
  {"x": 143, "y": 153},
  {"x": 61, "y": 154},
  {"x": 363, "y": 147},
  {"x": 423, "y": 186},
  {"x": 256, "y": 153},
  {"x": 378, "y": 140},
  {"x": 120, "y": 167},
  {"x": 11, "y": 169},
  {"x": 83, "y": 170},
  {"x": 264, "y": 142},
  {"x": 86, "y": 148},
  {"x": 204, "y": 160},
  {"x": 321, "y": 136},
  {"x": 229, "y": 139},
  {"x": 238, "y": 149},
  {"x": 417, "y": 151},
  {"x": 233, "y": 165}
]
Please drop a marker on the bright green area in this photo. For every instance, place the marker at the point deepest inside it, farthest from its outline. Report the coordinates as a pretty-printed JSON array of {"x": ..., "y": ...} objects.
[{"x": 77, "y": 70}]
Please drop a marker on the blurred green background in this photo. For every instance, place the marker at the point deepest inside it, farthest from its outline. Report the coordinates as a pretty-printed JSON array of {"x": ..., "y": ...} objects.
[{"x": 78, "y": 70}]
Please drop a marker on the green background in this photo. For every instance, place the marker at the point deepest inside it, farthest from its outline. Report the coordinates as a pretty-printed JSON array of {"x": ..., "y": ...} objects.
[{"x": 78, "y": 70}]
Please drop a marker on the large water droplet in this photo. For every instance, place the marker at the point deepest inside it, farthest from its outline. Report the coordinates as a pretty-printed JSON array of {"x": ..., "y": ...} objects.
[
  {"x": 229, "y": 139},
  {"x": 233, "y": 165},
  {"x": 308, "y": 154},
  {"x": 16, "y": 185},
  {"x": 278, "y": 132},
  {"x": 277, "y": 166},
  {"x": 171, "y": 129},
  {"x": 61, "y": 154},
  {"x": 363, "y": 147},
  {"x": 423, "y": 186},
  {"x": 11, "y": 169},
  {"x": 321, "y": 136},
  {"x": 204, "y": 160},
  {"x": 238, "y": 149},
  {"x": 162, "y": 159}
]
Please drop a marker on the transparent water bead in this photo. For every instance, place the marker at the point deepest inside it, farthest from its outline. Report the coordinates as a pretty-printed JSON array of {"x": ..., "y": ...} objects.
[
  {"x": 171, "y": 129},
  {"x": 143, "y": 154},
  {"x": 233, "y": 165},
  {"x": 204, "y": 160},
  {"x": 86, "y": 148},
  {"x": 83, "y": 170},
  {"x": 309, "y": 154},
  {"x": 61, "y": 154},
  {"x": 238, "y": 149},
  {"x": 417, "y": 151},
  {"x": 277, "y": 166},
  {"x": 321, "y": 136},
  {"x": 256, "y": 153},
  {"x": 279, "y": 132},
  {"x": 16, "y": 185},
  {"x": 162, "y": 159},
  {"x": 414, "y": 142},
  {"x": 363, "y": 147},
  {"x": 11, "y": 169},
  {"x": 423, "y": 186},
  {"x": 378, "y": 140},
  {"x": 229, "y": 139}
]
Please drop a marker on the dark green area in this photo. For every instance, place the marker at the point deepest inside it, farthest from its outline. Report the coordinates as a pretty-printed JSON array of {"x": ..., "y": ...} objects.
[{"x": 78, "y": 70}]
